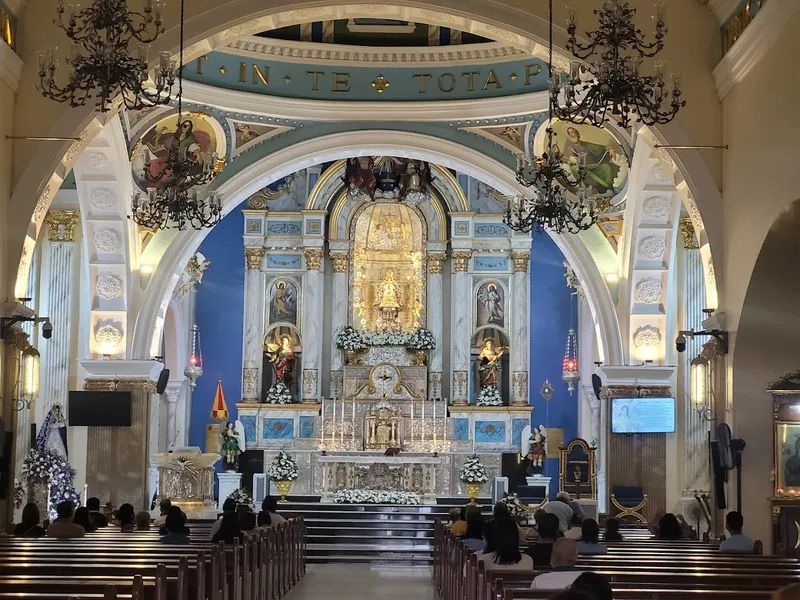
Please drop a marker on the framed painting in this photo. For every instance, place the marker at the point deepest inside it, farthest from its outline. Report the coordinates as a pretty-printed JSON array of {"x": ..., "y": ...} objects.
[
  {"x": 283, "y": 301},
  {"x": 787, "y": 458}
]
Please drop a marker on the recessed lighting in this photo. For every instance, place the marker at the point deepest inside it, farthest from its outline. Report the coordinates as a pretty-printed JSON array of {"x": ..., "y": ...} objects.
[
  {"x": 612, "y": 278},
  {"x": 146, "y": 269}
]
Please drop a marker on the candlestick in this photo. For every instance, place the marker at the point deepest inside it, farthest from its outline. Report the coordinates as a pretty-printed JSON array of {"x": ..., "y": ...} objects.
[
  {"x": 333, "y": 425},
  {"x": 472, "y": 432},
  {"x": 422, "y": 435},
  {"x": 341, "y": 433},
  {"x": 85, "y": 493},
  {"x": 354, "y": 420},
  {"x": 322, "y": 424},
  {"x": 444, "y": 436},
  {"x": 434, "y": 423},
  {"x": 48, "y": 499},
  {"x": 411, "y": 427}
]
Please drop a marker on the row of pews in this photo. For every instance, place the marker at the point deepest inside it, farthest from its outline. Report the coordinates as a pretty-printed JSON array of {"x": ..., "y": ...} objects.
[
  {"x": 641, "y": 569},
  {"x": 110, "y": 564}
]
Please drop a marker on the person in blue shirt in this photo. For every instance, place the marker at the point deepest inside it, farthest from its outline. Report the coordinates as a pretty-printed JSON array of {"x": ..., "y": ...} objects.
[
  {"x": 590, "y": 538},
  {"x": 737, "y": 542}
]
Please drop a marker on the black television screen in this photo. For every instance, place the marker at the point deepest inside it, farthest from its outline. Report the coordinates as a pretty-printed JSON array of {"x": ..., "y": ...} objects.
[{"x": 100, "y": 409}]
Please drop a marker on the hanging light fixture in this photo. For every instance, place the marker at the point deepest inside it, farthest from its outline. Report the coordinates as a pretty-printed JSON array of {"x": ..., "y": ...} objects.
[
  {"x": 551, "y": 208},
  {"x": 99, "y": 63},
  {"x": 699, "y": 370},
  {"x": 569, "y": 366},
  {"x": 194, "y": 369},
  {"x": 28, "y": 379},
  {"x": 609, "y": 84},
  {"x": 178, "y": 204}
]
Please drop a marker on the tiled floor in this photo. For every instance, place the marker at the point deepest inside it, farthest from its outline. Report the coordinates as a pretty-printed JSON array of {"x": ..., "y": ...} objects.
[{"x": 364, "y": 582}]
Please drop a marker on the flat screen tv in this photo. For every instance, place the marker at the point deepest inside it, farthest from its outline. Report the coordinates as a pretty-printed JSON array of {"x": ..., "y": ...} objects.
[
  {"x": 642, "y": 415},
  {"x": 99, "y": 409}
]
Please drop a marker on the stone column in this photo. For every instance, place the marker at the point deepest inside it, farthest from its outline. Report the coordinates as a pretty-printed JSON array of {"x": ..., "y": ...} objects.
[
  {"x": 435, "y": 309},
  {"x": 313, "y": 296},
  {"x": 338, "y": 318},
  {"x": 253, "y": 325},
  {"x": 175, "y": 389},
  {"x": 520, "y": 329},
  {"x": 459, "y": 351},
  {"x": 58, "y": 291},
  {"x": 16, "y": 415}
]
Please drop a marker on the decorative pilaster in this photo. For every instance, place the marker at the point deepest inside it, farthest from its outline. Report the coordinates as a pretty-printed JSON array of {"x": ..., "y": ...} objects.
[
  {"x": 339, "y": 261},
  {"x": 58, "y": 303},
  {"x": 459, "y": 351},
  {"x": 19, "y": 420},
  {"x": 313, "y": 296},
  {"x": 254, "y": 291},
  {"x": 435, "y": 295},
  {"x": 520, "y": 329},
  {"x": 175, "y": 388}
]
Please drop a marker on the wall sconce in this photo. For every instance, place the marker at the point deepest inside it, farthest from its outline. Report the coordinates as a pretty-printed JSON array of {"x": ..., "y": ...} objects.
[
  {"x": 699, "y": 375},
  {"x": 29, "y": 379}
]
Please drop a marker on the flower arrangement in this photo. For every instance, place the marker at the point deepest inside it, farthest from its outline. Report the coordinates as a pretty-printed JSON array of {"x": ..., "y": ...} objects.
[
  {"x": 422, "y": 339},
  {"x": 489, "y": 396},
  {"x": 241, "y": 497},
  {"x": 376, "y": 497},
  {"x": 473, "y": 471},
  {"x": 283, "y": 468},
  {"x": 347, "y": 338},
  {"x": 386, "y": 338},
  {"x": 278, "y": 393},
  {"x": 515, "y": 506},
  {"x": 46, "y": 468}
]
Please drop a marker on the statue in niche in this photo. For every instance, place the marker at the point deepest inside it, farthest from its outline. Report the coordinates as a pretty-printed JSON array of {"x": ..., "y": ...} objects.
[
  {"x": 52, "y": 436},
  {"x": 537, "y": 450},
  {"x": 389, "y": 305},
  {"x": 489, "y": 365},
  {"x": 358, "y": 176},
  {"x": 283, "y": 359}
]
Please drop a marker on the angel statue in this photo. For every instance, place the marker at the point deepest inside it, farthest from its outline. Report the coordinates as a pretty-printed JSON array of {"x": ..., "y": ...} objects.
[
  {"x": 489, "y": 363},
  {"x": 537, "y": 450},
  {"x": 232, "y": 445},
  {"x": 53, "y": 433},
  {"x": 283, "y": 359}
]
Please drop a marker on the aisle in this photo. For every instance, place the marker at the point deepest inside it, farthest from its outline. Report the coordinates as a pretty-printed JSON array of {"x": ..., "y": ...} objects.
[{"x": 362, "y": 581}]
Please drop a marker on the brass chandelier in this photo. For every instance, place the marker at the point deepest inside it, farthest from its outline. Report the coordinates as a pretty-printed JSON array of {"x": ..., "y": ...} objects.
[
  {"x": 99, "y": 63},
  {"x": 608, "y": 84}
]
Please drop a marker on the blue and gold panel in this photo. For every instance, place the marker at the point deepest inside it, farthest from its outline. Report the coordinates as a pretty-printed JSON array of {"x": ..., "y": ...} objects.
[
  {"x": 306, "y": 427},
  {"x": 278, "y": 429},
  {"x": 460, "y": 429},
  {"x": 252, "y": 226},
  {"x": 463, "y": 182},
  {"x": 490, "y": 263},
  {"x": 284, "y": 228},
  {"x": 517, "y": 425},
  {"x": 249, "y": 424},
  {"x": 314, "y": 227},
  {"x": 490, "y": 432},
  {"x": 283, "y": 261},
  {"x": 461, "y": 228},
  {"x": 491, "y": 230}
]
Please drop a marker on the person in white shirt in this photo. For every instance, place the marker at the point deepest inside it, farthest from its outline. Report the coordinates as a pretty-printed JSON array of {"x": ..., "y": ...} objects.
[
  {"x": 564, "y": 573},
  {"x": 737, "y": 542},
  {"x": 574, "y": 532},
  {"x": 560, "y": 508}
]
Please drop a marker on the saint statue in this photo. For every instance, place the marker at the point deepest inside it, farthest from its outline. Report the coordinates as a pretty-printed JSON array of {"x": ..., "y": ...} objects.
[
  {"x": 389, "y": 292},
  {"x": 232, "y": 445},
  {"x": 537, "y": 450},
  {"x": 283, "y": 359},
  {"x": 489, "y": 365},
  {"x": 52, "y": 436}
]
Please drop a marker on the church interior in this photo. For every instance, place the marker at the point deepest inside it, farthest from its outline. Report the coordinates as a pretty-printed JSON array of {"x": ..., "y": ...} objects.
[{"x": 386, "y": 266}]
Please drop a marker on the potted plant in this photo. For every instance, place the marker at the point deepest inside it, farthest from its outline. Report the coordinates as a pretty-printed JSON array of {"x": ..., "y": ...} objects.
[
  {"x": 473, "y": 475},
  {"x": 283, "y": 471}
]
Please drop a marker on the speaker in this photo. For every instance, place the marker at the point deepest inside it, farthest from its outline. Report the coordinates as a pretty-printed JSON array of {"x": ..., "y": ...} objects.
[
  {"x": 5, "y": 463},
  {"x": 250, "y": 463},
  {"x": 597, "y": 384},
  {"x": 163, "y": 379}
]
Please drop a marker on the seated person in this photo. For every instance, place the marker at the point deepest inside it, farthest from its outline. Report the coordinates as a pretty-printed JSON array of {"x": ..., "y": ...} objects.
[
  {"x": 454, "y": 516},
  {"x": 247, "y": 521},
  {"x": 142, "y": 521},
  {"x": 737, "y": 542},
  {"x": 612, "y": 533},
  {"x": 501, "y": 512},
  {"x": 269, "y": 517},
  {"x": 596, "y": 586},
  {"x": 163, "y": 508},
  {"x": 83, "y": 518},
  {"x": 560, "y": 507},
  {"x": 175, "y": 510},
  {"x": 229, "y": 528},
  {"x": 63, "y": 527},
  {"x": 542, "y": 550},
  {"x": 473, "y": 537},
  {"x": 126, "y": 518},
  {"x": 502, "y": 549},
  {"x": 574, "y": 531},
  {"x": 30, "y": 525},
  {"x": 175, "y": 525},
  {"x": 669, "y": 528},
  {"x": 98, "y": 519},
  {"x": 564, "y": 573},
  {"x": 229, "y": 506},
  {"x": 590, "y": 538}
]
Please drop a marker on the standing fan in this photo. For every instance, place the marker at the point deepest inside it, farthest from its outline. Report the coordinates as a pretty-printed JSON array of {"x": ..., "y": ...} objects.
[{"x": 730, "y": 458}]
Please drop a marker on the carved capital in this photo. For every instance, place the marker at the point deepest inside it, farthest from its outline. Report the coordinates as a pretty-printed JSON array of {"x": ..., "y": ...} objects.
[
  {"x": 339, "y": 262},
  {"x": 689, "y": 237},
  {"x": 254, "y": 257},
  {"x": 313, "y": 259},
  {"x": 61, "y": 225},
  {"x": 436, "y": 262},
  {"x": 461, "y": 260},
  {"x": 520, "y": 260}
]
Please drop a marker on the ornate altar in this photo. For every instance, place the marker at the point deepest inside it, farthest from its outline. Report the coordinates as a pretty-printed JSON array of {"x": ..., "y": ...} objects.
[
  {"x": 578, "y": 470},
  {"x": 382, "y": 429},
  {"x": 186, "y": 477},
  {"x": 786, "y": 465}
]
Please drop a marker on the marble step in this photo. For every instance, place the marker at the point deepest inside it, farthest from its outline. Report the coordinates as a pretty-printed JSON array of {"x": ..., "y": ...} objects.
[
  {"x": 393, "y": 561},
  {"x": 393, "y": 540}
]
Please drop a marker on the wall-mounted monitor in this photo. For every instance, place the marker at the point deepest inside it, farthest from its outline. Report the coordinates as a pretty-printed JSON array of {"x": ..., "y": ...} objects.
[
  {"x": 642, "y": 415},
  {"x": 99, "y": 409}
]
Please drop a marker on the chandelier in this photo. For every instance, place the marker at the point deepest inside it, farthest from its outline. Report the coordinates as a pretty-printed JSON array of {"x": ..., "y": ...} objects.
[
  {"x": 611, "y": 81},
  {"x": 99, "y": 63},
  {"x": 551, "y": 208},
  {"x": 177, "y": 204}
]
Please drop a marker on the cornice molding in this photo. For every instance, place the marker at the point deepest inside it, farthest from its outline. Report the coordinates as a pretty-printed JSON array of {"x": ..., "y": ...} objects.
[
  {"x": 10, "y": 67},
  {"x": 313, "y": 52},
  {"x": 753, "y": 44},
  {"x": 331, "y": 110}
]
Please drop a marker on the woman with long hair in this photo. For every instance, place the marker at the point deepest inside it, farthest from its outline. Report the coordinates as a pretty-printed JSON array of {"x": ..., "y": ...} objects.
[
  {"x": 30, "y": 525},
  {"x": 502, "y": 549}
]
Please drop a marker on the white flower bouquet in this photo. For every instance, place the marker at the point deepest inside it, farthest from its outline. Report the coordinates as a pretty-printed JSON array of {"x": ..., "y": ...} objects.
[
  {"x": 422, "y": 339},
  {"x": 473, "y": 471},
  {"x": 515, "y": 506},
  {"x": 278, "y": 393},
  {"x": 241, "y": 497},
  {"x": 376, "y": 497},
  {"x": 347, "y": 338},
  {"x": 489, "y": 396},
  {"x": 386, "y": 338},
  {"x": 283, "y": 468},
  {"x": 46, "y": 468}
]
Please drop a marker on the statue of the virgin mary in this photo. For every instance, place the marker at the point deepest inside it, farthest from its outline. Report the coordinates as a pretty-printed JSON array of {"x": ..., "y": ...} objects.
[{"x": 53, "y": 433}]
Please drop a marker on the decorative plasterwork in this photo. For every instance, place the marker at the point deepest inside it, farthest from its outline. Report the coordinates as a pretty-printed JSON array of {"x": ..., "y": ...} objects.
[
  {"x": 339, "y": 262},
  {"x": 649, "y": 290},
  {"x": 652, "y": 247},
  {"x": 647, "y": 336},
  {"x": 109, "y": 287},
  {"x": 656, "y": 207},
  {"x": 461, "y": 260},
  {"x": 61, "y": 225},
  {"x": 254, "y": 258},
  {"x": 520, "y": 260},
  {"x": 313, "y": 259}
]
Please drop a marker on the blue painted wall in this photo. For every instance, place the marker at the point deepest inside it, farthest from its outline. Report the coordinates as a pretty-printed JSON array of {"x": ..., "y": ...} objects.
[{"x": 553, "y": 310}]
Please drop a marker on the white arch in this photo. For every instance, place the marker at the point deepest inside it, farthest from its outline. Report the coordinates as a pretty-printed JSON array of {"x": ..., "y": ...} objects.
[{"x": 332, "y": 147}]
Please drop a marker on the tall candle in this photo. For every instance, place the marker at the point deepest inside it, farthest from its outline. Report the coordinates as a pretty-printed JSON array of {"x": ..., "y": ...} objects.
[
  {"x": 85, "y": 493},
  {"x": 411, "y": 426},
  {"x": 333, "y": 426},
  {"x": 48, "y": 499},
  {"x": 354, "y": 420},
  {"x": 444, "y": 435},
  {"x": 434, "y": 422},
  {"x": 322, "y": 424},
  {"x": 341, "y": 434},
  {"x": 422, "y": 435}
]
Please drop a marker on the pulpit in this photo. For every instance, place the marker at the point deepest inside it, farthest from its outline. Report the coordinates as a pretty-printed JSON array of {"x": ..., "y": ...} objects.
[{"x": 186, "y": 477}]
